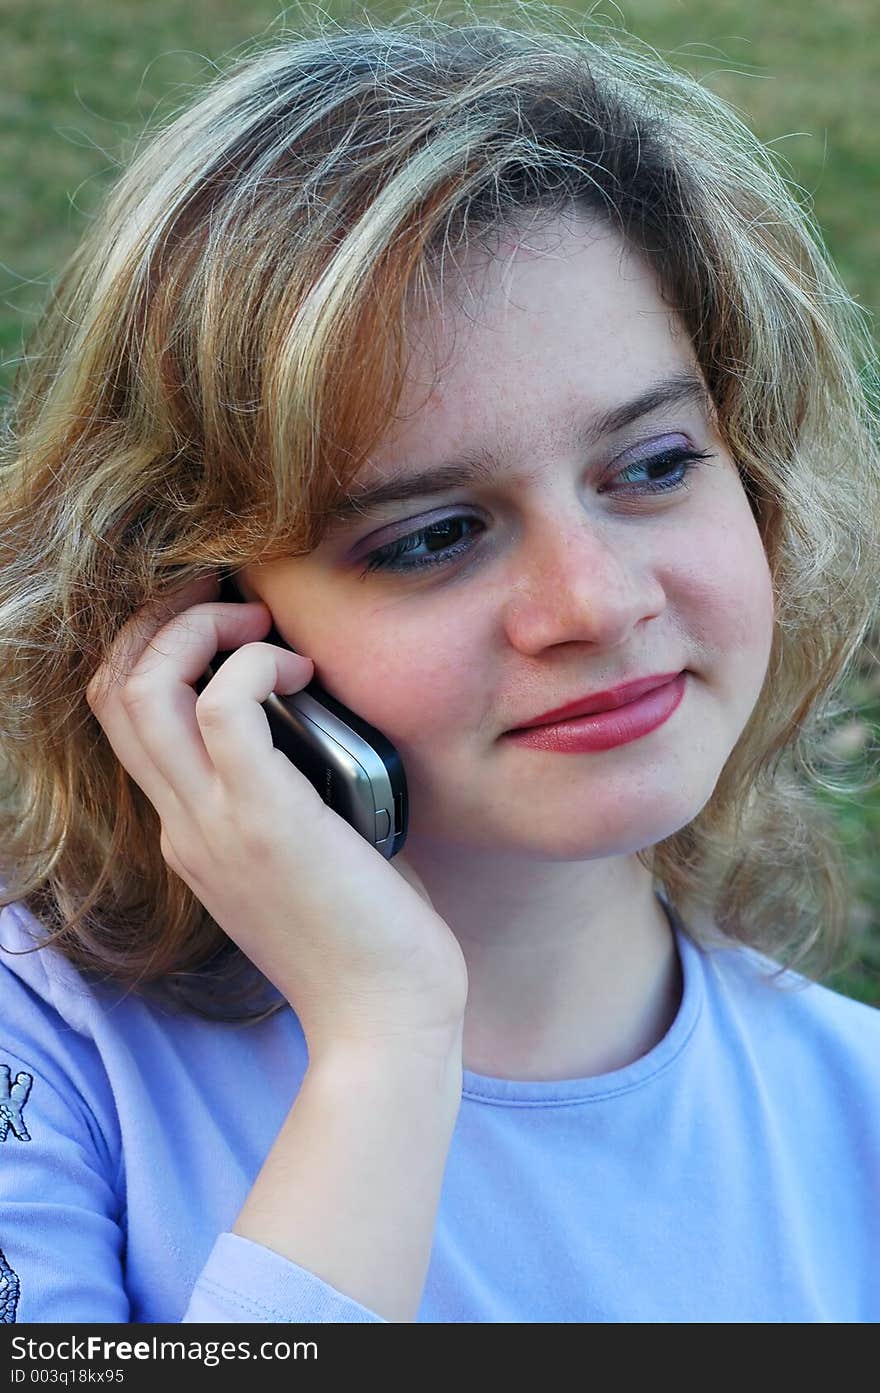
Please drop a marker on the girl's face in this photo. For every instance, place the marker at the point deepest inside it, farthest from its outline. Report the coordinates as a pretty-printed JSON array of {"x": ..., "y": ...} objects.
[{"x": 576, "y": 563}]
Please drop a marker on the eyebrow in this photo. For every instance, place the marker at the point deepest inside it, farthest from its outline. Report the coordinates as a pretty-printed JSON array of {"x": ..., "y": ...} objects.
[{"x": 482, "y": 465}]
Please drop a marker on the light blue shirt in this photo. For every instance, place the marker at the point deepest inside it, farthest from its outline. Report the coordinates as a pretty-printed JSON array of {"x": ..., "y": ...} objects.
[{"x": 730, "y": 1174}]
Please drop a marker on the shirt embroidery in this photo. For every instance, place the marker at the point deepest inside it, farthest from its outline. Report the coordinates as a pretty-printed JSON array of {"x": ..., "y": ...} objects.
[
  {"x": 9, "y": 1289},
  {"x": 12, "y": 1100}
]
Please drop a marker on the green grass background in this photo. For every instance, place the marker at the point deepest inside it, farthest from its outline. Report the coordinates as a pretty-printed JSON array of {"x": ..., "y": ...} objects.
[{"x": 79, "y": 79}]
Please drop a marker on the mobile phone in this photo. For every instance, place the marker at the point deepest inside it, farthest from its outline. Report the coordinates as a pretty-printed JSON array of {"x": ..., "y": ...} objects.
[{"x": 354, "y": 767}]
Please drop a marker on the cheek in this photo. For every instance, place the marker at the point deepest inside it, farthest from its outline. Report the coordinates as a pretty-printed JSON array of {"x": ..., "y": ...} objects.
[
  {"x": 726, "y": 590},
  {"x": 410, "y": 681},
  {"x": 398, "y": 666}
]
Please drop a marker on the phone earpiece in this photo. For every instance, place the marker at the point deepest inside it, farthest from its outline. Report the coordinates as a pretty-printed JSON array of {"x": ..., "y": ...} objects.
[{"x": 229, "y": 591}]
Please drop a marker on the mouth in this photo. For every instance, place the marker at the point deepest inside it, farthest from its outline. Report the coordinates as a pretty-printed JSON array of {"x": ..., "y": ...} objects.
[
  {"x": 606, "y": 729},
  {"x": 599, "y": 702}
]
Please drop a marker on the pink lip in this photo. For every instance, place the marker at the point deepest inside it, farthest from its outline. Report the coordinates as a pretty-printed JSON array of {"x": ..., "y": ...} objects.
[
  {"x": 603, "y": 730},
  {"x": 600, "y": 701}
]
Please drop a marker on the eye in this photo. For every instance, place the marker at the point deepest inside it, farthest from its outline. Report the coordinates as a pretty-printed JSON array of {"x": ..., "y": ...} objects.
[
  {"x": 671, "y": 468},
  {"x": 674, "y": 466},
  {"x": 439, "y": 533}
]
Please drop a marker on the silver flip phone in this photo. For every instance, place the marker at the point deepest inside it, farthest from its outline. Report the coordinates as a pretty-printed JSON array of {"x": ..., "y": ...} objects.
[{"x": 353, "y": 766}]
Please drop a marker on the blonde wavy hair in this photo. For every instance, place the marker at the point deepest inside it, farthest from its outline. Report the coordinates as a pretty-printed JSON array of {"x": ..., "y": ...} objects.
[{"x": 227, "y": 346}]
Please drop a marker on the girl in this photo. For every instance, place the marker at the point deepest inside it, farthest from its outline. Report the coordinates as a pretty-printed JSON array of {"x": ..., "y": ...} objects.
[{"x": 503, "y": 378}]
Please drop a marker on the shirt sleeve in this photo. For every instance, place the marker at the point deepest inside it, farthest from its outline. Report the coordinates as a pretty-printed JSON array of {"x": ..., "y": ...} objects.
[
  {"x": 63, "y": 1220},
  {"x": 61, "y": 1240},
  {"x": 244, "y": 1281}
]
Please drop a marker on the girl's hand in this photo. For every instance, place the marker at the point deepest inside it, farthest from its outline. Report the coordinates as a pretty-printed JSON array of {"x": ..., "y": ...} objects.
[{"x": 353, "y": 944}]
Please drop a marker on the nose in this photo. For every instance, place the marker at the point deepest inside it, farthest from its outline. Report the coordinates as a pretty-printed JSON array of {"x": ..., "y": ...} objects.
[{"x": 581, "y": 581}]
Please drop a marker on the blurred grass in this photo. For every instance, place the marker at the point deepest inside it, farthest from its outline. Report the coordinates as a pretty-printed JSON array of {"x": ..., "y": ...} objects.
[{"x": 80, "y": 79}]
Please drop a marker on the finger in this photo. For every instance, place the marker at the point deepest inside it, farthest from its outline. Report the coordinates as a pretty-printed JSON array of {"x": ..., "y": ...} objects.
[
  {"x": 134, "y": 635},
  {"x": 150, "y": 718},
  {"x": 234, "y": 726},
  {"x": 127, "y": 719}
]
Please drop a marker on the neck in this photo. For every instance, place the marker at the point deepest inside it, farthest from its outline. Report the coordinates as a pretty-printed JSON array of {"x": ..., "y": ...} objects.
[{"x": 572, "y": 966}]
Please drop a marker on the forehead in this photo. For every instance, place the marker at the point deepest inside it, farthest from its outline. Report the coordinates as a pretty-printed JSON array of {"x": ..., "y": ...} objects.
[{"x": 539, "y": 326}]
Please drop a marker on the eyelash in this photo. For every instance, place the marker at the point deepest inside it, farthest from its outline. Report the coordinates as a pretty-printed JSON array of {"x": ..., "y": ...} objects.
[{"x": 385, "y": 558}]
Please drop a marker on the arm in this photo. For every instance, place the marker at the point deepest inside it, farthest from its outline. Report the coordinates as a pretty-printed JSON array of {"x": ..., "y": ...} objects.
[
  {"x": 375, "y": 976},
  {"x": 63, "y": 1223},
  {"x": 351, "y": 1187}
]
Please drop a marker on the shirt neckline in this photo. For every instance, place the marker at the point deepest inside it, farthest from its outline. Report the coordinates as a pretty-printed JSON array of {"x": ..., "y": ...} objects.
[{"x": 483, "y": 1088}]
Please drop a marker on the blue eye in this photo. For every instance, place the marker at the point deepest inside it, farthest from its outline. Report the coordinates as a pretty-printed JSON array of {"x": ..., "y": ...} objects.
[{"x": 675, "y": 465}]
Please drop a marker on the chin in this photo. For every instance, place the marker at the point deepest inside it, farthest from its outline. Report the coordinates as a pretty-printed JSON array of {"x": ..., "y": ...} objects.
[{"x": 542, "y": 841}]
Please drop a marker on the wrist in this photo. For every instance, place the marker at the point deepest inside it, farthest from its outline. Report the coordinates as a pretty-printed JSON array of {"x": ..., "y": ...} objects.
[{"x": 431, "y": 1062}]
